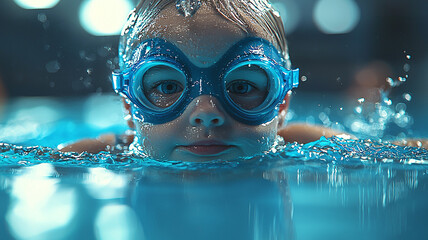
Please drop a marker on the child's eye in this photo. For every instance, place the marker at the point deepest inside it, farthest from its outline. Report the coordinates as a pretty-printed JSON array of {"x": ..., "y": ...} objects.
[
  {"x": 247, "y": 86},
  {"x": 161, "y": 85},
  {"x": 239, "y": 87},
  {"x": 169, "y": 87}
]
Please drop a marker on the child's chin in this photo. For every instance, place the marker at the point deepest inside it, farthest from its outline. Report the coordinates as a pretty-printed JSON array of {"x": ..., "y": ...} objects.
[{"x": 186, "y": 156}]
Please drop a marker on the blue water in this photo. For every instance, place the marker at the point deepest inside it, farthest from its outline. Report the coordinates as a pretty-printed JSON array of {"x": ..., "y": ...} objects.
[{"x": 329, "y": 189}]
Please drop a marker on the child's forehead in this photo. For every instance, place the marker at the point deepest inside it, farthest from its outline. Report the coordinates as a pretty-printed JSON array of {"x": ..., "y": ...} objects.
[{"x": 203, "y": 38}]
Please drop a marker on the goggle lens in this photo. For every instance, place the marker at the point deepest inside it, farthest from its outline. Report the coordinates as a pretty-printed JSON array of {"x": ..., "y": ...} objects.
[
  {"x": 248, "y": 86},
  {"x": 159, "y": 86}
]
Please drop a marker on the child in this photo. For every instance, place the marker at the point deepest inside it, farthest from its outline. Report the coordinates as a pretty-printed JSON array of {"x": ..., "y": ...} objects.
[{"x": 204, "y": 80}]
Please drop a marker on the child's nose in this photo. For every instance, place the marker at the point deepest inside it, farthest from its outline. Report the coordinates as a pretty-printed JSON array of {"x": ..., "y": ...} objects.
[{"x": 206, "y": 112}]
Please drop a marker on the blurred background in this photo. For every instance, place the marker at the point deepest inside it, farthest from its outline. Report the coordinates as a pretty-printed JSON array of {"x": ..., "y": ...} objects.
[{"x": 68, "y": 48}]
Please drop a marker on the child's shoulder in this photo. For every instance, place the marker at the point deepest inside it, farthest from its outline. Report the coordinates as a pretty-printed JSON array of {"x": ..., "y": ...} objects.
[
  {"x": 107, "y": 142},
  {"x": 305, "y": 133}
]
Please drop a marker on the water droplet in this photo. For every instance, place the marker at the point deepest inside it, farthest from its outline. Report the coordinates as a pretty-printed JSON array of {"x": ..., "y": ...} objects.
[
  {"x": 358, "y": 109},
  {"x": 387, "y": 101},
  {"x": 361, "y": 100},
  {"x": 341, "y": 108},
  {"x": 391, "y": 82},
  {"x": 408, "y": 56},
  {"x": 407, "y": 96},
  {"x": 395, "y": 83},
  {"x": 402, "y": 79}
]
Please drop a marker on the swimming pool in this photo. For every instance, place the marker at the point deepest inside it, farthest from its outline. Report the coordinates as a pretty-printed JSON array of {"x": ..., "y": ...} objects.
[{"x": 329, "y": 189}]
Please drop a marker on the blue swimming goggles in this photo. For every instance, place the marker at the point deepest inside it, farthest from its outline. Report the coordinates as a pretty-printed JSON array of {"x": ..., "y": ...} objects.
[{"x": 250, "y": 81}]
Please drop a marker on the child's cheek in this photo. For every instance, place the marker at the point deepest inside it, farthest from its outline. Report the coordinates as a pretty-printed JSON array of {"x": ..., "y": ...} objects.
[
  {"x": 265, "y": 135},
  {"x": 158, "y": 141},
  {"x": 254, "y": 140}
]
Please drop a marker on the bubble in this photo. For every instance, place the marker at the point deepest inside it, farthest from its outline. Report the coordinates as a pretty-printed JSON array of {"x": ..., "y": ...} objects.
[{"x": 52, "y": 66}]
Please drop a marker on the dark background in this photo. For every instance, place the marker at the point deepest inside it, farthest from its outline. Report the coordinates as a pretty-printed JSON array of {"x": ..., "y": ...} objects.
[{"x": 388, "y": 30}]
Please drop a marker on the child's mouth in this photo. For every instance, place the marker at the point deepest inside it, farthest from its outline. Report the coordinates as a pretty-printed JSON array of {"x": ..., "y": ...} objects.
[{"x": 207, "y": 147}]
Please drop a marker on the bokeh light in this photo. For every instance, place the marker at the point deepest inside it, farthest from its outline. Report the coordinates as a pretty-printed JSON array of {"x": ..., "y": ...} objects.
[
  {"x": 117, "y": 221},
  {"x": 104, "y": 17},
  {"x": 41, "y": 206},
  {"x": 336, "y": 16},
  {"x": 37, "y": 4}
]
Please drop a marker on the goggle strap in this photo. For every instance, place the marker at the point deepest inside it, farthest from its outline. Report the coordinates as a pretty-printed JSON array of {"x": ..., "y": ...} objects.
[
  {"x": 291, "y": 78},
  {"x": 295, "y": 78},
  {"x": 117, "y": 80}
]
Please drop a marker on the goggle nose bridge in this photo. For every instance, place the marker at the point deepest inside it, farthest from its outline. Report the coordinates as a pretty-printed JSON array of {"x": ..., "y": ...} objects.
[{"x": 205, "y": 81}]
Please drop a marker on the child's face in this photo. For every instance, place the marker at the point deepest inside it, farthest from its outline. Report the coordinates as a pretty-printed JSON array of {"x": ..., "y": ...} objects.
[{"x": 204, "y": 131}]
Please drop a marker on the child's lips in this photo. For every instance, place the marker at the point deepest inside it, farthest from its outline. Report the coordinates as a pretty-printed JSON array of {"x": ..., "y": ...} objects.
[{"x": 207, "y": 147}]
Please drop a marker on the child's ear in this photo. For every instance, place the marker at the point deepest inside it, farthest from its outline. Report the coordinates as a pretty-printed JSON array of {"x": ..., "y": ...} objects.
[
  {"x": 284, "y": 105},
  {"x": 128, "y": 112},
  {"x": 283, "y": 108}
]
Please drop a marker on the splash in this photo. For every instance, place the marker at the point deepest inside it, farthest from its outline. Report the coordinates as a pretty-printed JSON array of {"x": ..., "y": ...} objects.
[
  {"x": 364, "y": 151},
  {"x": 375, "y": 120},
  {"x": 326, "y": 150}
]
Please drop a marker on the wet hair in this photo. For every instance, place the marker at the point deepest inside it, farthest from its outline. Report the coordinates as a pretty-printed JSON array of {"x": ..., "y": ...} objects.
[{"x": 243, "y": 13}]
